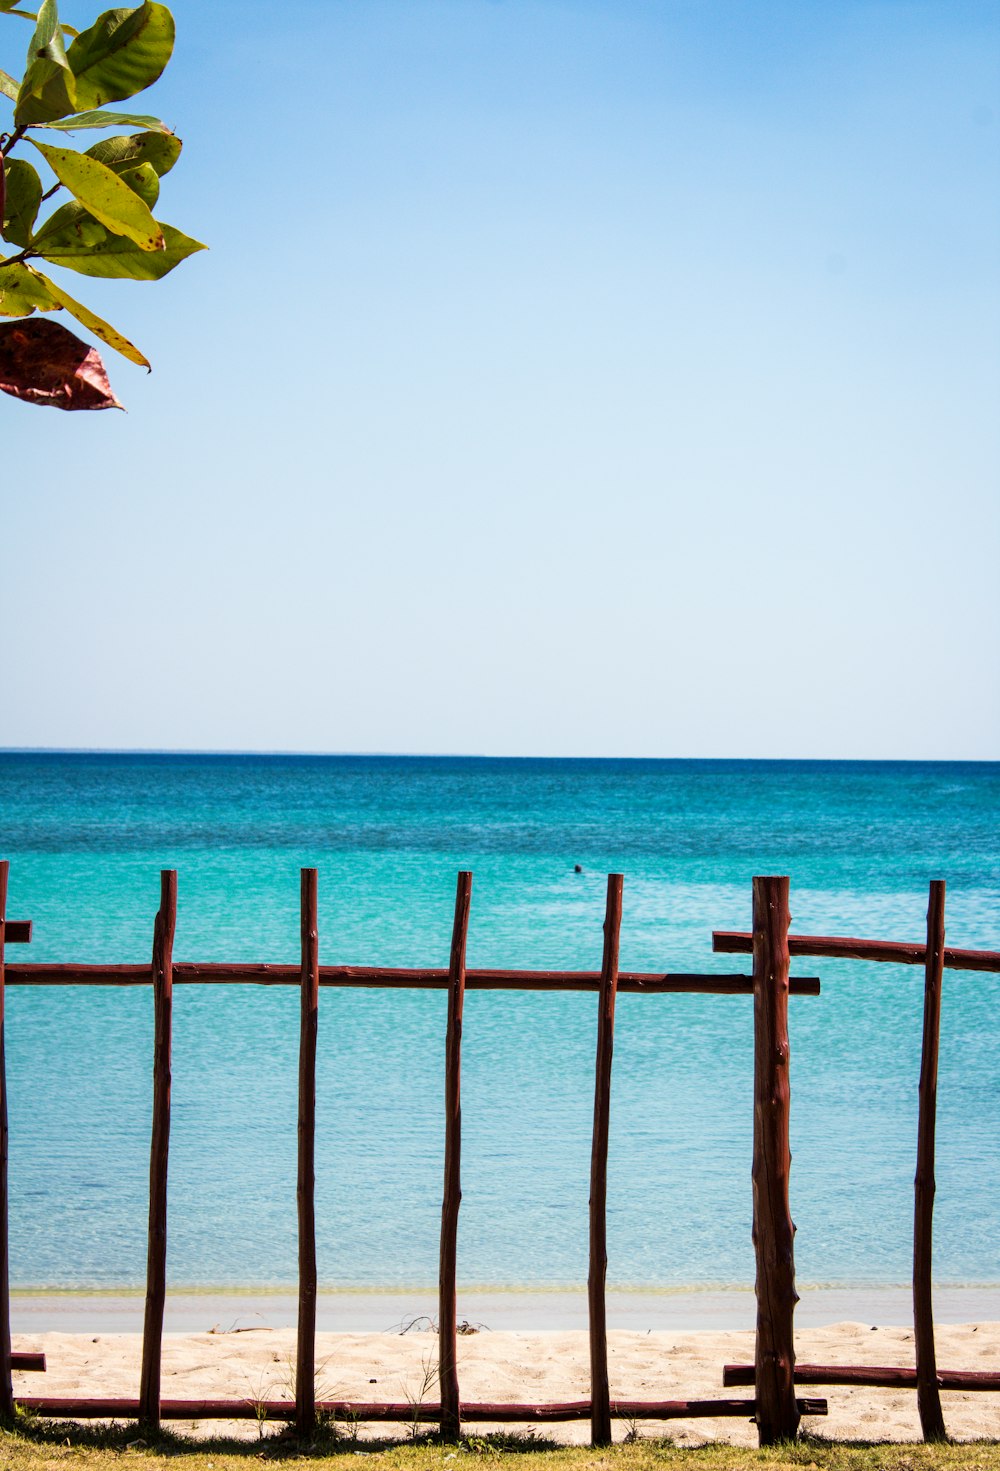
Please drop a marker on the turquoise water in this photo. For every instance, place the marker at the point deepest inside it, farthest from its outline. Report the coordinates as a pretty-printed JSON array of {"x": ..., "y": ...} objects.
[{"x": 88, "y": 834}]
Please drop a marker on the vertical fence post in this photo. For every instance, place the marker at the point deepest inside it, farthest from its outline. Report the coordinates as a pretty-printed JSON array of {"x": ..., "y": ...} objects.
[
  {"x": 156, "y": 1254},
  {"x": 451, "y": 1405},
  {"x": 6, "y": 1386},
  {"x": 773, "y": 1231},
  {"x": 305, "y": 1361},
  {"x": 928, "y": 1394},
  {"x": 600, "y": 1389}
]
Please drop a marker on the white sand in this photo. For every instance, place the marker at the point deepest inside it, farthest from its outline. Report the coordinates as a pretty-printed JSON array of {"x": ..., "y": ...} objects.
[{"x": 256, "y": 1364}]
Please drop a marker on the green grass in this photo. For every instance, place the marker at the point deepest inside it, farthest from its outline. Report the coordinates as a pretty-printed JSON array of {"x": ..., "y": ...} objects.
[{"x": 48, "y": 1446}]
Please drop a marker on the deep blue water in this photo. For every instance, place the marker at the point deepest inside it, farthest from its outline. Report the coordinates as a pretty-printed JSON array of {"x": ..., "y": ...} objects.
[{"x": 87, "y": 835}]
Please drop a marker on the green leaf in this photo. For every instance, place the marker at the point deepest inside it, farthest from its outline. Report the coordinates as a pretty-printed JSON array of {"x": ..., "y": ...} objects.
[
  {"x": 104, "y": 194},
  {"x": 103, "y": 119},
  {"x": 75, "y": 247},
  {"x": 90, "y": 320},
  {"x": 23, "y": 291},
  {"x": 46, "y": 40},
  {"x": 49, "y": 87},
  {"x": 23, "y": 195},
  {"x": 122, "y": 52},
  {"x": 162, "y": 150},
  {"x": 70, "y": 217},
  {"x": 8, "y": 86},
  {"x": 47, "y": 93},
  {"x": 142, "y": 180}
]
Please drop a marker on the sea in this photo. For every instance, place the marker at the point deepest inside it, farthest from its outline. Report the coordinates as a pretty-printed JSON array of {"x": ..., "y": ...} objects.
[{"x": 88, "y": 833}]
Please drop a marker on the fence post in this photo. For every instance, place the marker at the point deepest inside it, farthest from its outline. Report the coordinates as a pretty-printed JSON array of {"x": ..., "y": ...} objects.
[
  {"x": 156, "y": 1253},
  {"x": 451, "y": 1404},
  {"x": 773, "y": 1230},
  {"x": 600, "y": 1391},
  {"x": 305, "y": 1361},
  {"x": 6, "y": 1384},
  {"x": 928, "y": 1394}
]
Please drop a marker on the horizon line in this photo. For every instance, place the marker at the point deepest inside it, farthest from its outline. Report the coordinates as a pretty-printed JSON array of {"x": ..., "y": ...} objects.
[{"x": 475, "y": 755}]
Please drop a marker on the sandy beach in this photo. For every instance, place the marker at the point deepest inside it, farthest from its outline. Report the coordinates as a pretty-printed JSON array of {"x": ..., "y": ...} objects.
[{"x": 254, "y": 1362}]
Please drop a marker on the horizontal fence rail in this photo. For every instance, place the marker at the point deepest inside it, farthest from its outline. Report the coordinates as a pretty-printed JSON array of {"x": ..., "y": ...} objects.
[
  {"x": 28, "y": 1363},
  {"x": 843, "y": 947},
  {"x": 650, "y": 983},
  {"x": 775, "y": 1407},
  {"x": 936, "y": 958},
  {"x": 424, "y": 1413},
  {"x": 163, "y": 974},
  {"x": 869, "y": 1375}
]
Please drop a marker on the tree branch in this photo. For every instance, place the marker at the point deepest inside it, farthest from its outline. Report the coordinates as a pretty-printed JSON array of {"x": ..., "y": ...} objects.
[{"x": 9, "y": 140}]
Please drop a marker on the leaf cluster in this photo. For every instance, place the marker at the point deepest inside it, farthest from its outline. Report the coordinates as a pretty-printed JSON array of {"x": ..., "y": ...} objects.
[{"x": 103, "y": 225}]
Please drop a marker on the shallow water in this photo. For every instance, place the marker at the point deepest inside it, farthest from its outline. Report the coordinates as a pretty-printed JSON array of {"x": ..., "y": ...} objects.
[{"x": 87, "y": 835}]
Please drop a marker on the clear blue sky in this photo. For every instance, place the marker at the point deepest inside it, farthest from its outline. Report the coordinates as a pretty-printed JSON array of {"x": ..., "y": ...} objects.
[{"x": 565, "y": 377}]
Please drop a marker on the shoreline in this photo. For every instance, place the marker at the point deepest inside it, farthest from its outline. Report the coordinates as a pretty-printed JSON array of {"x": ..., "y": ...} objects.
[
  {"x": 255, "y": 1364},
  {"x": 530, "y": 1309}
]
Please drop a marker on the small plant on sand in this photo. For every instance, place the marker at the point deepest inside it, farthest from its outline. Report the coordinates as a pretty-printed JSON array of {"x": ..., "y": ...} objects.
[
  {"x": 631, "y": 1435},
  {"x": 334, "y": 1429},
  {"x": 415, "y": 1398},
  {"x": 258, "y": 1397},
  {"x": 330, "y": 1429}
]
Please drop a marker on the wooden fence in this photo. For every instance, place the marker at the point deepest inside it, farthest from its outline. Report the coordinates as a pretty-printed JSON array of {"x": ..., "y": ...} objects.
[
  {"x": 935, "y": 957},
  {"x": 774, "y": 1373}
]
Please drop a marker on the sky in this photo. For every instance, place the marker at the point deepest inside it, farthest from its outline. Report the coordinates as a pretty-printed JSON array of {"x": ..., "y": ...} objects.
[{"x": 564, "y": 377}]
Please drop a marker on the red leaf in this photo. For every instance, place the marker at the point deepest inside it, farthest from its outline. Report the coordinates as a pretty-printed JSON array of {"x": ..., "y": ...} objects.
[{"x": 43, "y": 363}]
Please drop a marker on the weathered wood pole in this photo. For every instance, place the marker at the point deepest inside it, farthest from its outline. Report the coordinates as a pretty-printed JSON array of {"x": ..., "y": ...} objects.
[
  {"x": 773, "y": 1230},
  {"x": 28, "y": 1363},
  {"x": 928, "y": 1393},
  {"x": 392, "y": 978},
  {"x": 451, "y": 1404},
  {"x": 6, "y": 1385},
  {"x": 305, "y": 1359},
  {"x": 156, "y": 1254},
  {"x": 879, "y": 1376},
  {"x": 600, "y": 1390},
  {"x": 424, "y": 1412}
]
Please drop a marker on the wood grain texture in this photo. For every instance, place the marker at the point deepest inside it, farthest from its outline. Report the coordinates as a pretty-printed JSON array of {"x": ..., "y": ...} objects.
[
  {"x": 426, "y": 1413},
  {"x": 773, "y": 1231},
  {"x": 600, "y": 1390},
  {"x": 870, "y": 1375},
  {"x": 159, "y": 1149},
  {"x": 843, "y": 947},
  {"x": 28, "y": 1363},
  {"x": 305, "y": 1360},
  {"x": 263, "y": 973},
  {"x": 6, "y": 1386},
  {"x": 451, "y": 1405},
  {"x": 928, "y": 1394}
]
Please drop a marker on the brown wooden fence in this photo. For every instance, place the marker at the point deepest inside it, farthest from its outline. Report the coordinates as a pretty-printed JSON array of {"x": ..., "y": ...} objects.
[
  {"x": 935, "y": 957},
  {"x": 774, "y": 1374}
]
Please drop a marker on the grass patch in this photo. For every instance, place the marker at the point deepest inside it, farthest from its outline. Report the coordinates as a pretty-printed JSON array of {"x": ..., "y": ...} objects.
[{"x": 39, "y": 1445}]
